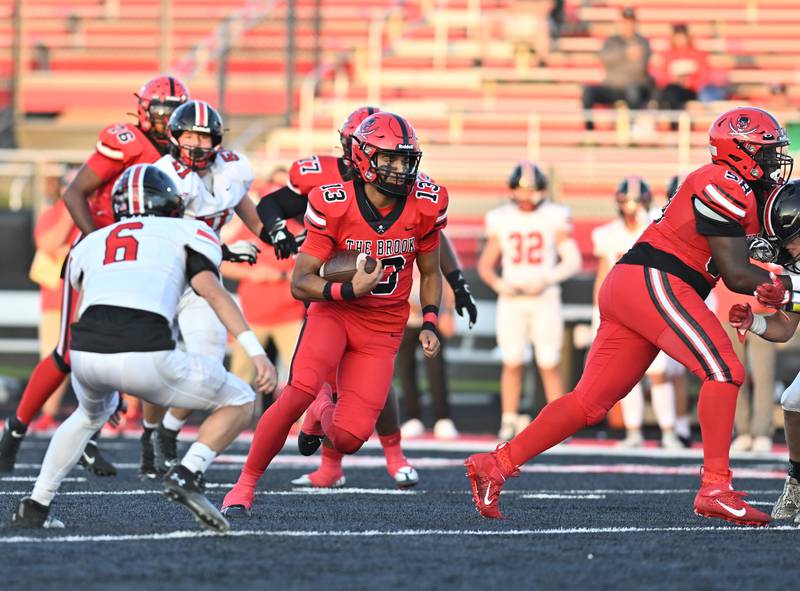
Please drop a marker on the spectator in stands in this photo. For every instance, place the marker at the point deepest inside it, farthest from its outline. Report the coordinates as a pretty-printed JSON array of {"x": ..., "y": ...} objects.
[
  {"x": 625, "y": 57},
  {"x": 756, "y": 402},
  {"x": 52, "y": 235},
  {"x": 681, "y": 71},
  {"x": 436, "y": 369}
]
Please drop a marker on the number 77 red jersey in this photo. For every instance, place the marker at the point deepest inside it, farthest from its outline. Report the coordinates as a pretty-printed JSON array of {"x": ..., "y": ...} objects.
[{"x": 340, "y": 217}]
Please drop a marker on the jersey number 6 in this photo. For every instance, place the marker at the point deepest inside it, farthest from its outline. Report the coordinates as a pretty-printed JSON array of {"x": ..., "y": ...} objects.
[{"x": 128, "y": 246}]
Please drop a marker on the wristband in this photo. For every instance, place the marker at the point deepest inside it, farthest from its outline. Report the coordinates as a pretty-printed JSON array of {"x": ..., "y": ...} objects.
[
  {"x": 335, "y": 291},
  {"x": 430, "y": 315},
  {"x": 759, "y": 325},
  {"x": 249, "y": 342}
]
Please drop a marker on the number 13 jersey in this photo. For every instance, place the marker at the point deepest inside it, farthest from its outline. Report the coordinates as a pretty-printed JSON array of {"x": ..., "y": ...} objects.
[
  {"x": 340, "y": 217},
  {"x": 528, "y": 239}
]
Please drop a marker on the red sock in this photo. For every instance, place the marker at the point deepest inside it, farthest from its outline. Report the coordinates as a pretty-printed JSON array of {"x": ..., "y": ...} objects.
[
  {"x": 557, "y": 421},
  {"x": 46, "y": 377},
  {"x": 272, "y": 430},
  {"x": 715, "y": 409},
  {"x": 326, "y": 413},
  {"x": 391, "y": 449},
  {"x": 331, "y": 461}
]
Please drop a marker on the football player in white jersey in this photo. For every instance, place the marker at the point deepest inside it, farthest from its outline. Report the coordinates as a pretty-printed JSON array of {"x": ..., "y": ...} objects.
[
  {"x": 531, "y": 238},
  {"x": 214, "y": 183},
  {"x": 611, "y": 241},
  {"x": 131, "y": 275}
]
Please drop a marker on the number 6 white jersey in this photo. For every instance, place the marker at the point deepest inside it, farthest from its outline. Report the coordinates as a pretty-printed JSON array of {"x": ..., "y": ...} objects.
[
  {"x": 528, "y": 239},
  {"x": 140, "y": 263},
  {"x": 211, "y": 198}
]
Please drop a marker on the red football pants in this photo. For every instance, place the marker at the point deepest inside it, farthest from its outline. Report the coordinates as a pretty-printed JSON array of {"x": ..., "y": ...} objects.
[
  {"x": 643, "y": 310},
  {"x": 336, "y": 344}
]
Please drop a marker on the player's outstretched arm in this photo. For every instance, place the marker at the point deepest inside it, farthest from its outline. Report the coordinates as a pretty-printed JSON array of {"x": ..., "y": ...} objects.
[
  {"x": 451, "y": 269},
  {"x": 430, "y": 296},
  {"x": 76, "y": 196},
  {"x": 246, "y": 210},
  {"x": 732, "y": 259},
  {"x": 486, "y": 267},
  {"x": 273, "y": 210},
  {"x": 207, "y": 286},
  {"x": 778, "y": 328}
]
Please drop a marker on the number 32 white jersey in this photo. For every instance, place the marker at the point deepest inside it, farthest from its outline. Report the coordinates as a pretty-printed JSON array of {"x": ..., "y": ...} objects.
[
  {"x": 528, "y": 239},
  {"x": 212, "y": 198},
  {"x": 140, "y": 263}
]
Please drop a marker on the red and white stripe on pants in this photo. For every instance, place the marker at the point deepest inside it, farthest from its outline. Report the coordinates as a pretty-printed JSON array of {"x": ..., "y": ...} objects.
[{"x": 644, "y": 310}]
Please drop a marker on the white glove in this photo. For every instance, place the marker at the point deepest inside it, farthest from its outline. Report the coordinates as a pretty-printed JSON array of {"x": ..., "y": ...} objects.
[{"x": 240, "y": 251}]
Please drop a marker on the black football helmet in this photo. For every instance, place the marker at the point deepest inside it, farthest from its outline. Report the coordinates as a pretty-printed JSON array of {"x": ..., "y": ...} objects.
[
  {"x": 144, "y": 189},
  {"x": 200, "y": 117},
  {"x": 782, "y": 222},
  {"x": 673, "y": 186},
  {"x": 633, "y": 190},
  {"x": 527, "y": 175}
]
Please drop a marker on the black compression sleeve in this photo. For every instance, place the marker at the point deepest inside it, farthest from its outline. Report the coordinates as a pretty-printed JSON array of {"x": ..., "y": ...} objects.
[
  {"x": 197, "y": 262},
  {"x": 282, "y": 204}
]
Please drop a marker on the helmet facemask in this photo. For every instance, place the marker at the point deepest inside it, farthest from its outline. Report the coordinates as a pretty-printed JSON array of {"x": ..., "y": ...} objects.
[
  {"x": 775, "y": 163},
  {"x": 395, "y": 170},
  {"x": 197, "y": 157},
  {"x": 158, "y": 114}
]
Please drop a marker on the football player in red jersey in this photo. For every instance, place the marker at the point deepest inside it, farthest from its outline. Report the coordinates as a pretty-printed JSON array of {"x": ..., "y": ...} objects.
[
  {"x": 291, "y": 201},
  {"x": 652, "y": 300},
  {"x": 356, "y": 327},
  {"x": 88, "y": 198}
]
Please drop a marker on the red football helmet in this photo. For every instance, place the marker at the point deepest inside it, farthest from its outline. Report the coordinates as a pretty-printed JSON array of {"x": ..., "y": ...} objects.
[
  {"x": 379, "y": 143},
  {"x": 349, "y": 126},
  {"x": 158, "y": 98},
  {"x": 750, "y": 142}
]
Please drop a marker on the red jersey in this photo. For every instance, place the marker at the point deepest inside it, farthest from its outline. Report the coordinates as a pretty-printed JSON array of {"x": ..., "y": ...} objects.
[
  {"x": 340, "y": 217},
  {"x": 314, "y": 171},
  {"x": 118, "y": 147},
  {"x": 712, "y": 201}
]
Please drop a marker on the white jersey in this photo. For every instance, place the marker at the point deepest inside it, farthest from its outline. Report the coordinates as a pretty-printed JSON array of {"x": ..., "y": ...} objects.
[
  {"x": 213, "y": 197},
  {"x": 140, "y": 263},
  {"x": 528, "y": 239},
  {"x": 612, "y": 240}
]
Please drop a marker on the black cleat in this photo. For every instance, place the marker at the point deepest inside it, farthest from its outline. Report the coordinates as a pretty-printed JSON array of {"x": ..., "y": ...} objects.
[
  {"x": 309, "y": 444},
  {"x": 94, "y": 462},
  {"x": 147, "y": 465},
  {"x": 236, "y": 511},
  {"x": 167, "y": 443},
  {"x": 32, "y": 515},
  {"x": 13, "y": 434},
  {"x": 184, "y": 487}
]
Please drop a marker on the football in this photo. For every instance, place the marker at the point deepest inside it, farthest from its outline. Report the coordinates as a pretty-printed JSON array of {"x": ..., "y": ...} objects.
[{"x": 342, "y": 266}]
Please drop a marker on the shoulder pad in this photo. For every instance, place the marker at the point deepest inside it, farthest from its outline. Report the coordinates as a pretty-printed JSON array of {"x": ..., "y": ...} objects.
[
  {"x": 724, "y": 192},
  {"x": 202, "y": 239},
  {"x": 307, "y": 173},
  {"x": 120, "y": 142},
  {"x": 331, "y": 200},
  {"x": 430, "y": 198},
  {"x": 237, "y": 165}
]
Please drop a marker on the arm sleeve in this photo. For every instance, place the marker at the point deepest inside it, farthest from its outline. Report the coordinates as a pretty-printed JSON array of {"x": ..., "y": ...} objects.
[
  {"x": 720, "y": 209},
  {"x": 280, "y": 205},
  {"x": 197, "y": 262}
]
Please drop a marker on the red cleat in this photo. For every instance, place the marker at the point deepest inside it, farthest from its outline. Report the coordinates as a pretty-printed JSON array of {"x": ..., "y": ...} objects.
[
  {"x": 487, "y": 473},
  {"x": 238, "y": 501},
  {"x": 321, "y": 479},
  {"x": 719, "y": 500}
]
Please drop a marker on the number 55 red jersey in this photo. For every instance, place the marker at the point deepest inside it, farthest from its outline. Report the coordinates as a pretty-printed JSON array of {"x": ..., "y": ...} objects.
[{"x": 340, "y": 217}]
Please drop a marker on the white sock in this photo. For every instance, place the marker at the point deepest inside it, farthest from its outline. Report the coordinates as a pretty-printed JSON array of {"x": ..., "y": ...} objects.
[
  {"x": 683, "y": 426},
  {"x": 509, "y": 417},
  {"x": 63, "y": 453},
  {"x": 663, "y": 398},
  {"x": 149, "y": 425},
  {"x": 171, "y": 422},
  {"x": 199, "y": 457},
  {"x": 633, "y": 408}
]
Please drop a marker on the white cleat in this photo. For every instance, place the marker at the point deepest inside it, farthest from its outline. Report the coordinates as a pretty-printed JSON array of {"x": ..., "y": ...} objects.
[
  {"x": 406, "y": 477},
  {"x": 305, "y": 481},
  {"x": 788, "y": 504},
  {"x": 412, "y": 428},
  {"x": 445, "y": 430}
]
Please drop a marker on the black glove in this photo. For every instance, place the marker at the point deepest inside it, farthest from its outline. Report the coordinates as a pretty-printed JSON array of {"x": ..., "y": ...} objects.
[
  {"x": 464, "y": 299},
  {"x": 281, "y": 238},
  {"x": 241, "y": 251}
]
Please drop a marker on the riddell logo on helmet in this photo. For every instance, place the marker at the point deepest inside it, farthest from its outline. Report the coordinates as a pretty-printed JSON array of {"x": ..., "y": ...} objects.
[{"x": 405, "y": 147}]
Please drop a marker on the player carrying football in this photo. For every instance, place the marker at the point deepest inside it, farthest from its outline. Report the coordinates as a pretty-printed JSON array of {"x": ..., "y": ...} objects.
[
  {"x": 388, "y": 213},
  {"x": 88, "y": 198},
  {"x": 653, "y": 300},
  {"x": 292, "y": 200}
]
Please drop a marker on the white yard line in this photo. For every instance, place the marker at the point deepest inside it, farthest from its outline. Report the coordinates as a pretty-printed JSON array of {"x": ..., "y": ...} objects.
[{"x": 579, "y": 531}]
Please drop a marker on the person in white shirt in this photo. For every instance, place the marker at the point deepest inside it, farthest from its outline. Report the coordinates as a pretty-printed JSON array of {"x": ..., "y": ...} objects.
[
  {"x": 214, "y": 183},
  {"x": 612, "y": 240},
  {"x": 531, "y": 238},
  {"x": 131, "y": 276}
]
